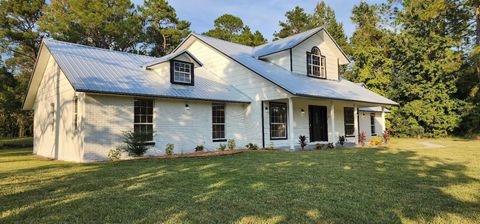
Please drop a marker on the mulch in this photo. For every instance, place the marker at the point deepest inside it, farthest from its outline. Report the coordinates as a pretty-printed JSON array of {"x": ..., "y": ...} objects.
[{"x": 194, "y": 154}]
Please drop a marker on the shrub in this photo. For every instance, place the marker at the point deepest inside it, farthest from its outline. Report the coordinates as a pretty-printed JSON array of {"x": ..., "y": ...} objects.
[
  {"x": 302, "y": 139},
  {"x": 341, "y": 140},
  {"x": 222, "y": 147},
  {"x": 169, "y": 149},
  {"x": 199, "y": 148},
  {"x": 386, "y": 136},
  {"x": 135, "y": 142},
  {"x": 375, "y": 140},
  {"x": 318, "y": 146},
  {"x": 330, "y": 146},
  {"x": 231, "y": 144},
  {"x": 362, "y": 138},
  {"x": 251, "y": 146},
  {"x": 115, "y": 153}
]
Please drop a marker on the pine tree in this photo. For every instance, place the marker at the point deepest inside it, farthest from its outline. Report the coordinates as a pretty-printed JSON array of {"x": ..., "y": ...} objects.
[
  {"x": 164, "y": 30},
  {"x": 426, "y": 59},
  {"x": 370, "y": 50},
  {"x": 100, "y": 23},
  {"x": 324, "y": 16},
  {"x": 231, "y": 28},
  {"x": 297, "y": 21}
]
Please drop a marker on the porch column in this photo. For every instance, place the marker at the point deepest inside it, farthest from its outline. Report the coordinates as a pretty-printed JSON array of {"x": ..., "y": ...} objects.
[
  {"x": 383, "y": 119},
  {"x": 290, "y": 124},
  {"x": 355, "y": 123},
  {"x": 332, "y": 120}
]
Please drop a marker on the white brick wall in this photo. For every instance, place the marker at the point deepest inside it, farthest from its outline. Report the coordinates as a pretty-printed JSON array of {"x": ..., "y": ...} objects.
[
  {"x": 54, "y": 134},
  {"x": 107, "y": 117}
]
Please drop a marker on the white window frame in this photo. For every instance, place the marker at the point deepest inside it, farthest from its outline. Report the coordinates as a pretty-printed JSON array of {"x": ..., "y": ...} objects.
[
  {"x": 321, "y": 66},
  {"x": 183, "y": 67},
  {"x": 223, "y": 124},
  {"x": 146, "y": 114},
  {"x": 285, "y": 123},
  {"x": 75, "y": 112},
  {"x": 372, "y": 125}
]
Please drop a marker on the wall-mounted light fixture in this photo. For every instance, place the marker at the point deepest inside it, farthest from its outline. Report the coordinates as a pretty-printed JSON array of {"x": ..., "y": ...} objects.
[
  {"x": 302, "y": 111},
  {"x": 187, "y": 107},
  {"x": 266, "y": 109}
]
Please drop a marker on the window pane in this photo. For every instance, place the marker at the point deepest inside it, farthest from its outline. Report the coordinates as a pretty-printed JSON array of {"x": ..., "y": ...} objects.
[
  {"x": 182, "y": 72},
  {"x": 218, "y": 121},
  {"x": 143, "y": 117},
  {"x": 348, "y": 116},
  {"x": 278, "y": 120}
]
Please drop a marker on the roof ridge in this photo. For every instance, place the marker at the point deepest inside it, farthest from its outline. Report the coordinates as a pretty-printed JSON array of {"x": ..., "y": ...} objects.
[
  {"x": 230, "y": 42},
  {"x": 290, "y": 37},
  {"x": 98, "y": 48}
]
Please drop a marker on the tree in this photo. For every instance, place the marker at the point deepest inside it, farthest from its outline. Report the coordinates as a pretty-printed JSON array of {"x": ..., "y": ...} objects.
[
  {"x": 231, "y": 28},
  {"x": 426, "y": 59},
  {"x": 297, "y": 21},
  {"x": 369, "y": 46},
  {"x": 324, "y": 16},
  {"x": 164, "y": 31},
  {"x": 100, "y": 23},
  {"x": 19, "y": 40},
  {"x": 19, "y": 36}
]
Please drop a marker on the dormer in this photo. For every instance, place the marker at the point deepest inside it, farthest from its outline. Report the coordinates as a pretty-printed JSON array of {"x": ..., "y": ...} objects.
[
  {"x": 313, "y": 53},
  {"x": 180, "y": 65}
]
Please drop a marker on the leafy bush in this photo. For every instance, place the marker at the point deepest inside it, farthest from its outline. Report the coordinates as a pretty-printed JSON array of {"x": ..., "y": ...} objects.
[
  {"x": 231, "y": 144},
  {"x": 362, "y": 138},
  {"x": 199, "y": 148},
  {"x": 341, "y": 140},
  {"x": 318, "y": 146},
  {"x": 386, "y": 136},
  {"x": 222, "y": 147},
  {"x": 115, "y": 153},
  {"x": 169, "y": 149},
  {"x": 330, "y": 146},
  {"x": 251, "y": 146},
  {"x": 135, "y": 142},
  {"x": 375, "y": 140},
  {"x": 302, "y": 139}
]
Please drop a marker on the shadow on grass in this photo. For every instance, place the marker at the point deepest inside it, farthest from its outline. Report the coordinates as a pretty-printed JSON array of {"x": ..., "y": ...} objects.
[{"x": 342, "y": 186}]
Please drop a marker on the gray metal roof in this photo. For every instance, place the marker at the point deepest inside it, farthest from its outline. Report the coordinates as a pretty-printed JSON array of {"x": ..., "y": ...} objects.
[
  {"x": 283, "y": 44},
  {"x": 168, "y": 57},
  {"x": 99, "y": 70},
  {"x": 294, "y": 83}
]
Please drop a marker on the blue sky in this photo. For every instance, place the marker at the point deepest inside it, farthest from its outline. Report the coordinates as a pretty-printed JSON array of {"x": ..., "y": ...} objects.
[{"x": 262, "y": 15}]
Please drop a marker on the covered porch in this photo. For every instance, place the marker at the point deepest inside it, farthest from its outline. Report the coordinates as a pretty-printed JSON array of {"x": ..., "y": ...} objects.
[{"x": 321, "y": 120}]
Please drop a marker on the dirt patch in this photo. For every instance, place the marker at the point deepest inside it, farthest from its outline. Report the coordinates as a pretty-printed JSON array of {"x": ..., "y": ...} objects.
[{"x": 430, "y": 145}]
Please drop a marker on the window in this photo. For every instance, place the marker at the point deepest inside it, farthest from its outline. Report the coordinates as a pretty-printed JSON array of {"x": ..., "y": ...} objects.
[
  {"x": 218, "y": 122},
  {"x": 52, "y": 114},
  {"x": 349, "y": 121},
  {"x": 75, "y": 112},
  {"x": 316, "y": 64},
  {"x": 181, "y": 72},
  {"x": 372, "y": 124},
  {"x": 143, "y": 117},
  {"x": 278, "y": 120}
]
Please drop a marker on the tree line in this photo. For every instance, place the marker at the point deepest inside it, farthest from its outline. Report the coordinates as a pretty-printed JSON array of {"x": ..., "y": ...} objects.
[{"x": 423, "y": 54}]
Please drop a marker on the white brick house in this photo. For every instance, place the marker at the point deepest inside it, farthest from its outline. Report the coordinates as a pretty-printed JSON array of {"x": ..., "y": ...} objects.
[{"x": 205, "y": 92}]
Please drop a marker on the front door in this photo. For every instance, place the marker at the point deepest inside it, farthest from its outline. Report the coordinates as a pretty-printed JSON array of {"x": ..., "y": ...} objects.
[{"x": 318, "y": 123}]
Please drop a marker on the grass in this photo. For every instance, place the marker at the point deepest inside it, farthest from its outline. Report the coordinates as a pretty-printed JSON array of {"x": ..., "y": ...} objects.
[
  {"x": 16, "y": 142},
  {"x": 401, "y": 183}
]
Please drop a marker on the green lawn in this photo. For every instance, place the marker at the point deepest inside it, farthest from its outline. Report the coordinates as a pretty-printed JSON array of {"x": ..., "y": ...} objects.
[{"x": 405, "y": 182}]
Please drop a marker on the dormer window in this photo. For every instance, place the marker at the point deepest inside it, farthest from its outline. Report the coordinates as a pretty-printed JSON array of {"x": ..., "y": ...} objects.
[
  {"x": 316, "y": 64},
  {"x": 181, "y": 72}
]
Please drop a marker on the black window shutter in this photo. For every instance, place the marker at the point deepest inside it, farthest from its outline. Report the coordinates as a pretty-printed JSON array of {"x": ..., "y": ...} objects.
[{"x": 309, "y": 61}]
